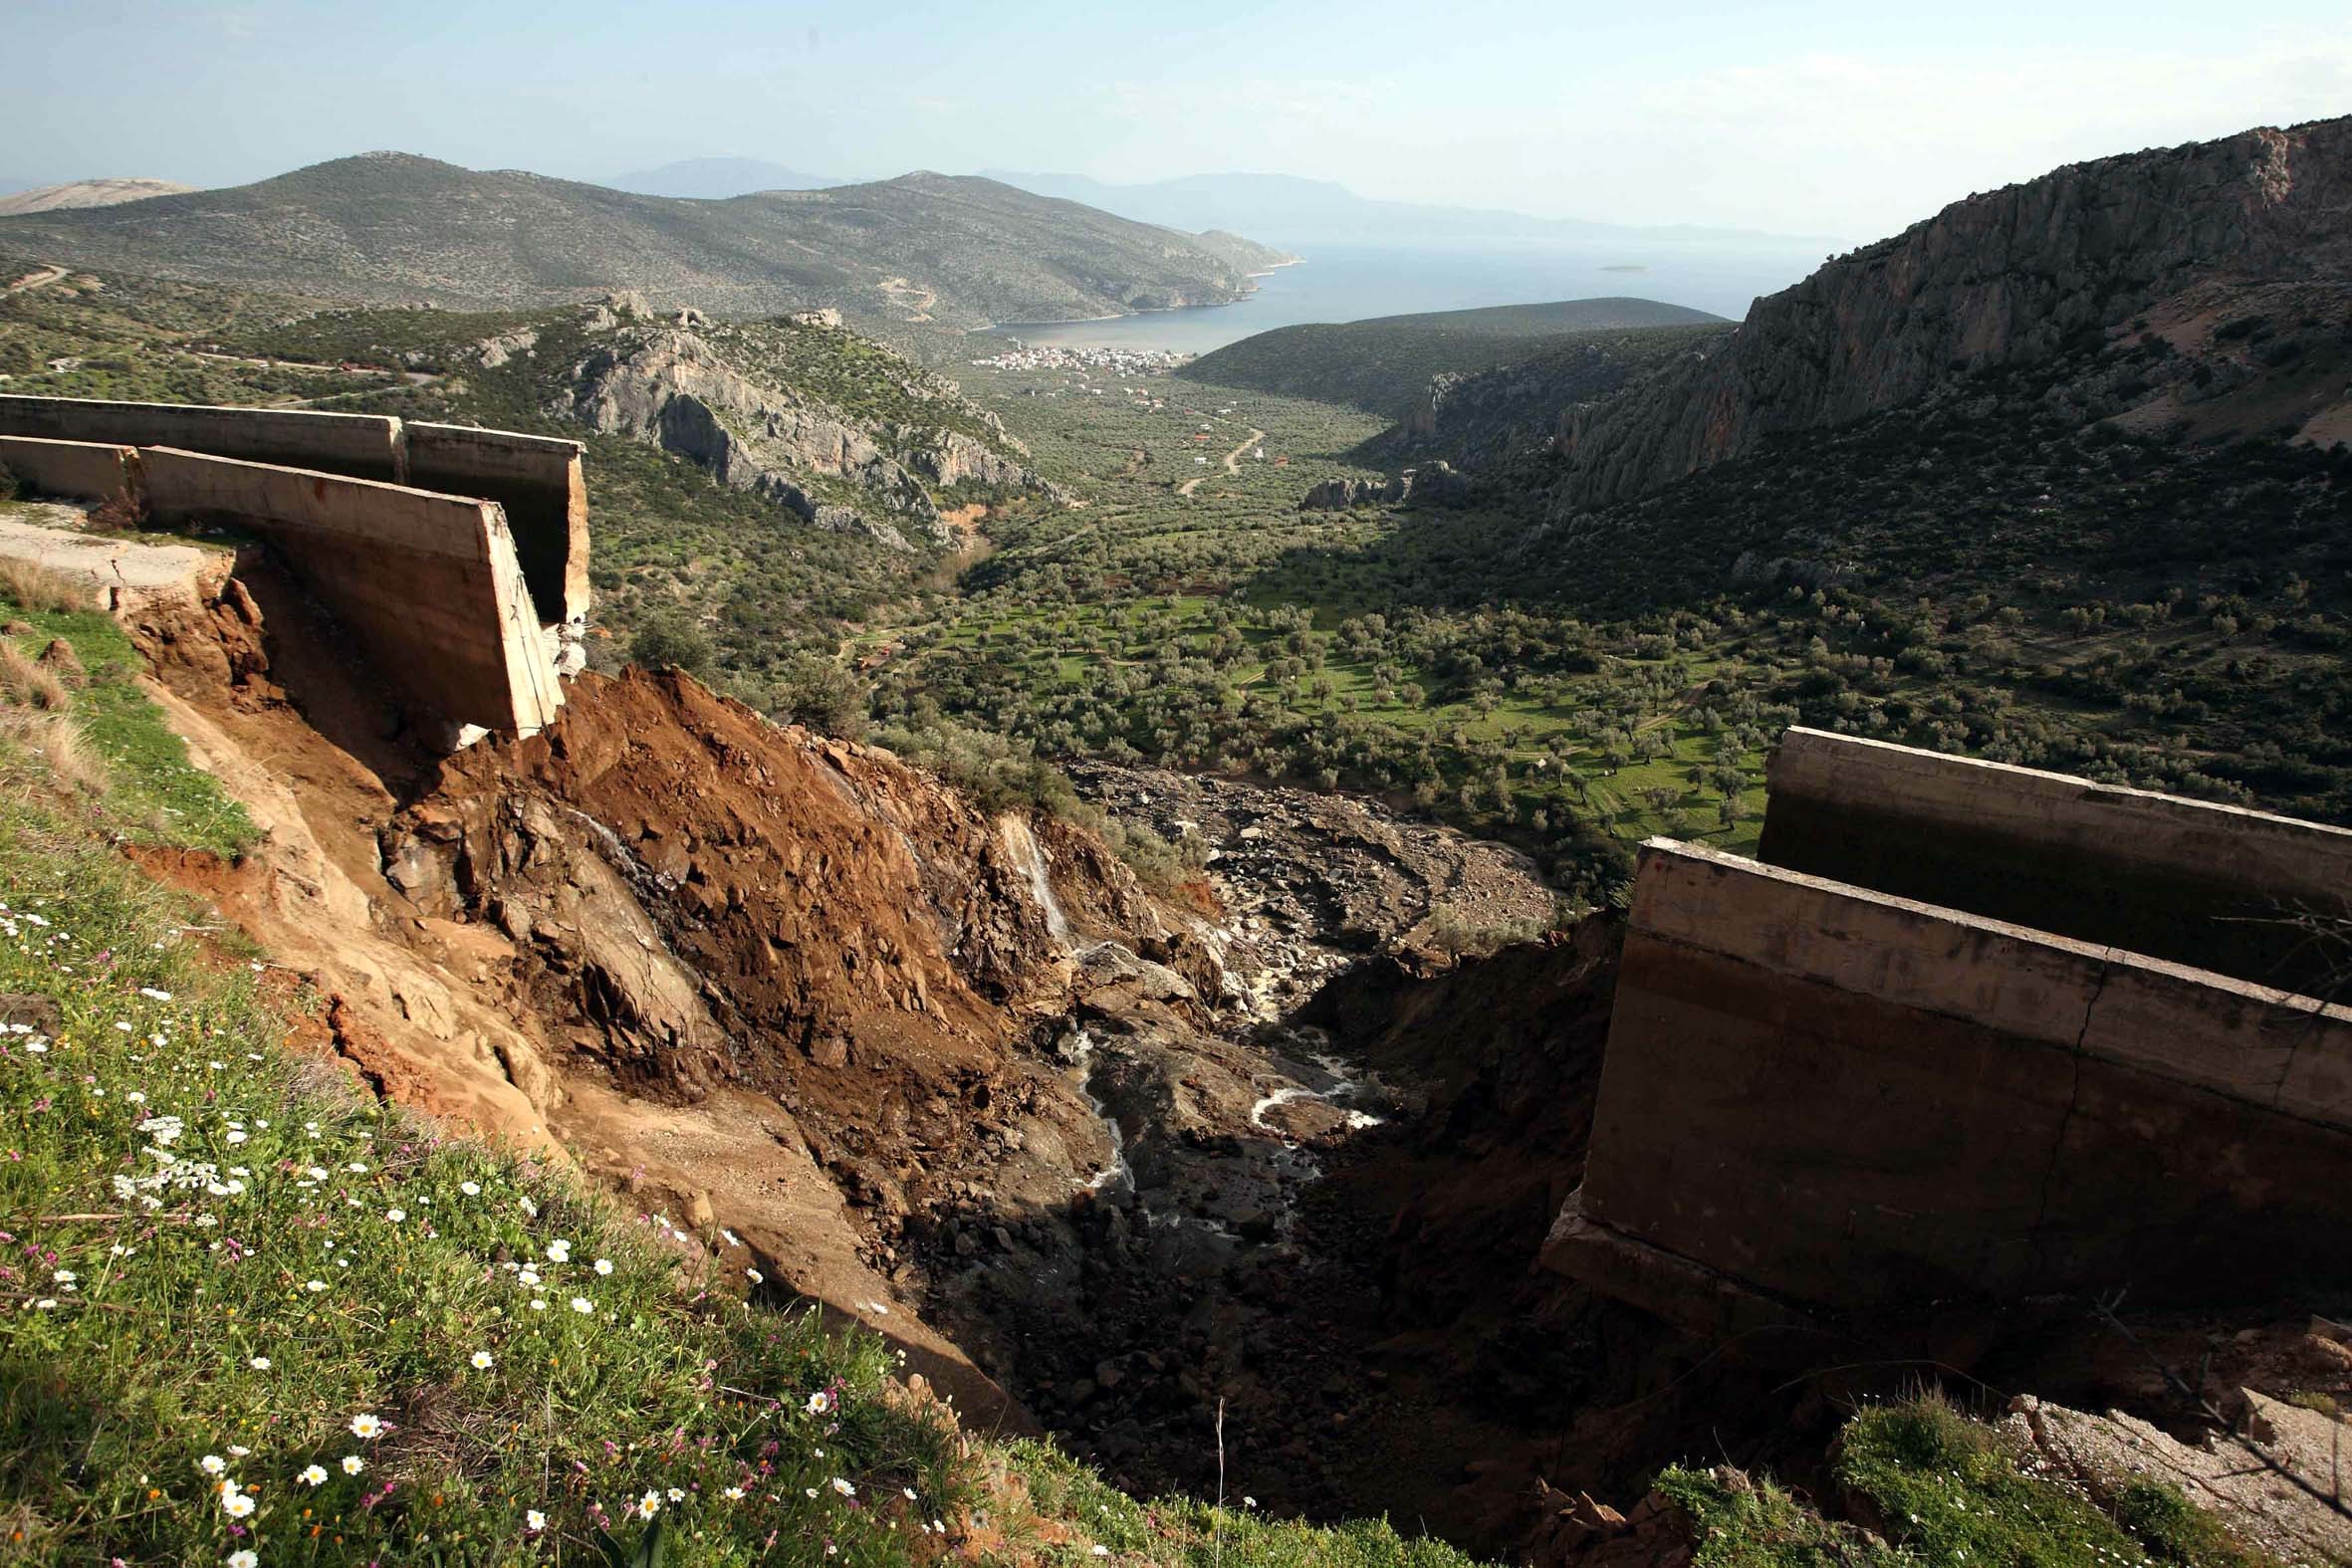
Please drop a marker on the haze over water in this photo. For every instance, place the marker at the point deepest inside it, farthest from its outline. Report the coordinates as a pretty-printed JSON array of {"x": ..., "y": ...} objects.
[{"x": 1348, "y": 282}]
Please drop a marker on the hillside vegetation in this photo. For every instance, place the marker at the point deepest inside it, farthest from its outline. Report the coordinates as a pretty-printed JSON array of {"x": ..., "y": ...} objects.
[
  {"x": 395, "y": 227},
  {"x": 749, "y": 562},
  {"x": 1384, "y": 365}
]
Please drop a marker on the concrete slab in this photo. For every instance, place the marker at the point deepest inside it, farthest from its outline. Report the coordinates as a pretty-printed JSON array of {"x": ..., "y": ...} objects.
[{"x": 120, "y": 572}]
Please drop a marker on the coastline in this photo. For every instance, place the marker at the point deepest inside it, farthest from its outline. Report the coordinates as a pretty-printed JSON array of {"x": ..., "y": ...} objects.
[{"x": 1151, "y": 309}]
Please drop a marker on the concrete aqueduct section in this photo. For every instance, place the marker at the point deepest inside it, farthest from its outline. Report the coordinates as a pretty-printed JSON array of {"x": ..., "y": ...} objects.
[
  {"x": 1843, "y": 1086},
  {"x": 458, "y": 556}
]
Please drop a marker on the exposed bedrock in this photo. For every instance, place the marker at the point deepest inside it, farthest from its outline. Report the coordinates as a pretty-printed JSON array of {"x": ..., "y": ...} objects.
[{"x": 2003, "y": 278}]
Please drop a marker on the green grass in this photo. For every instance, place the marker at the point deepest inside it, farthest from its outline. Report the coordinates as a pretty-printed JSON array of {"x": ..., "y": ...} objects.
[
  {"x": 1737, "y": 1522},
  {"x": 152, "y": 791},
  {"x": 212, "y": 1251},
  {"x": 1939, "y": 1488},
  {"x": 1949, "y": 1490},
  {"x": 1178, "y": 1530}
]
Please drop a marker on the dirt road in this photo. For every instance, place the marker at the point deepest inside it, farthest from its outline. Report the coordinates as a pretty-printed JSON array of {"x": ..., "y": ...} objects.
[{"x": 1233, "y": 460}]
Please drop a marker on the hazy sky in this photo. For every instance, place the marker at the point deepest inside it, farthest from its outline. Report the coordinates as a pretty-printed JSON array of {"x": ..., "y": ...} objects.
[{"x": 1842, "y": 119}]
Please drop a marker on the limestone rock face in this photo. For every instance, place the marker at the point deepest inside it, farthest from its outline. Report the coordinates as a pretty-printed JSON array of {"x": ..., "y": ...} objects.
[
  {"x": 709, "y": 395},
  {"x": 2003, "y": 278},
  {"x": 671, "y": 388}
]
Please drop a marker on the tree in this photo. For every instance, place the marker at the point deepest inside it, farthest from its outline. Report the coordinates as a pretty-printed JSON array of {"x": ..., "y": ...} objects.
[{"x": 672, "y": 640}]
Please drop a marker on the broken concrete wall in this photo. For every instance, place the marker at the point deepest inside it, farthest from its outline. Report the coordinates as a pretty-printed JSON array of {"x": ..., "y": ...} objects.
[
  {"x": 76, "y": 470},
  {"x": 364, "y": 446},
  {"x": 430, "y": 584},
  {"x": 2216, "y": 886},
  {"x": 1824, "y": 1096},
  {"x": 539, "y": 482}
]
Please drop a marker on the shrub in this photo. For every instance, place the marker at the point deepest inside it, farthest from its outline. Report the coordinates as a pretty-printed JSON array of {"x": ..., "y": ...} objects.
[{"x": 670, "y": 640}]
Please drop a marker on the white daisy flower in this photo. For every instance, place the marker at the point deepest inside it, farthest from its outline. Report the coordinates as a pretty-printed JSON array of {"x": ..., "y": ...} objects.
[
  {"x": 353, "y": 1464},
  {"x": 212, "y": 1465},
  {"x": 603, "y": 1266},
  {"x": 312, "y": 1475},
  {"x": 582, "y": 1305},
  {"x": 534, "y": 1520},
  {"x": 243, "y": 1557},
  {"x": 366, "y": 1425},
  {"x": 481, "y": 1360}
]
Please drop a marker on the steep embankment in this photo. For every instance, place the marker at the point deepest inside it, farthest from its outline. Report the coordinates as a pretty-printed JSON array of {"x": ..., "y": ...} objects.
[
  {"x": 395, "y": 227},
  {"x": 1998, "y": 280}
]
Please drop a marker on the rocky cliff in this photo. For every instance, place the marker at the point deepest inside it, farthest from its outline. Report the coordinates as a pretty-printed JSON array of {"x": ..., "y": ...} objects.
[
  {"x": 2001, "y": 278},
  {"x": 748, "y": 403}
]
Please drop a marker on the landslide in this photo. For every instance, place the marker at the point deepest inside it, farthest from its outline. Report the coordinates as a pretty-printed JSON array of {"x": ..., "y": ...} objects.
[{"x": 955, "y": 1076}]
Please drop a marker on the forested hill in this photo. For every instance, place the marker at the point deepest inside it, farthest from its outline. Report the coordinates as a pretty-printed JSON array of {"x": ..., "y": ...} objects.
[
  {"x": 1383, "y": 365},
  {"x": 393, "y": 227}
]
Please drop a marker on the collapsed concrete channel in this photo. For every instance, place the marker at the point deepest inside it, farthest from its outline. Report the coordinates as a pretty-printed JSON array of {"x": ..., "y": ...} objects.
[
  {"x": 457, "y": 555},
  {"x": 1828, "y": 1101},
  {"x": 1118, "y": 1163}
]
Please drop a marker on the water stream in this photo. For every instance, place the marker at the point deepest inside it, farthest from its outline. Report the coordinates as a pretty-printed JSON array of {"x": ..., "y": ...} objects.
[
  {"x": 1118, "y": 1173},
  {"x": 1023, "y": 847}
]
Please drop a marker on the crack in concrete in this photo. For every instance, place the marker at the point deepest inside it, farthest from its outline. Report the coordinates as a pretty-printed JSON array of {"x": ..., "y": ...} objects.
[{"x": 2049, "y": 1171}]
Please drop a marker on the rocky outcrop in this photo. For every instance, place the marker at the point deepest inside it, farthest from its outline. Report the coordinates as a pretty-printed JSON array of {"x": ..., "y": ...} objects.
[
  {"x": 677, "y": 388},
  {"x": 2001, "y": 278},
  {"x": 671, "y": 388},
  {"x": 1339, "y": 494},
  {"x": 2276, "y": 1479},
  {"x": 1437, "y": 484},
  {"x": 1500, "y": 419}
]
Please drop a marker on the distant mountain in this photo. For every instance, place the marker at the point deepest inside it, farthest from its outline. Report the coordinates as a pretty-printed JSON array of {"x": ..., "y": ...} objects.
[
  {"x": 716, "y": 179},
  {"x": 1387, "y": 365},
  {"x": 87, "y": 193},
  {"x": 1287, "y": 210},
  {"x": 394, "y": 227}
]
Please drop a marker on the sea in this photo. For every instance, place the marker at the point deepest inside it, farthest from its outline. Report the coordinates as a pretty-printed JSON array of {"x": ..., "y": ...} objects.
[{"x": 1350, "y": 282}]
